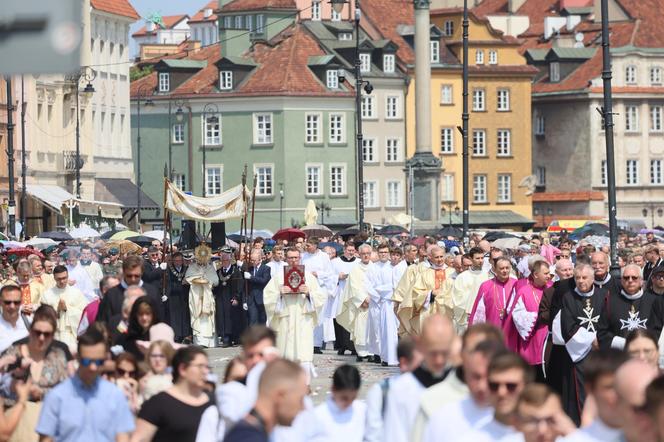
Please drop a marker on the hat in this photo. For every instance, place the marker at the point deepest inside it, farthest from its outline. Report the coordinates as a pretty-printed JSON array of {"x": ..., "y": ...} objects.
[
  {"x": 50, "y": 249},
  {"x": 153, "y": 249},
  {"x": 113, "y": 251},
  {"x": 159, "y": 332}
]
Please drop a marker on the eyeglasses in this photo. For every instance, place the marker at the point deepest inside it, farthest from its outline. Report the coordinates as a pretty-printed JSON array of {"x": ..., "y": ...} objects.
[
  {"x": 10, "y": 302},
  {"x": 509, "y": 386},
  {"x": 123, "y": 372},
  {"x": 659, "y": 276},
  {"x": 631, "y": 278},
  {"x": 533, "y": 422},
  {"x": 86, "y": 362},
  {"x": 40, "y": 333}
]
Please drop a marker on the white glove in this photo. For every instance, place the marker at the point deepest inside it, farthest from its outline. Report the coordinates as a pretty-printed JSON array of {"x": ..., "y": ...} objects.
[
  {"x": 245, "y": 307},
  {"x": 164, "y": 298},
  {"x": 163, "y": 266},
  {"x": 247, "y": 275}
]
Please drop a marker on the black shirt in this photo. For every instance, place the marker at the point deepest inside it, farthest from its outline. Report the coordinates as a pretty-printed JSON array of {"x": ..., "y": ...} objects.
[
  {"x": 243, "y": 431},
  {"x": 175, "y": 420}
]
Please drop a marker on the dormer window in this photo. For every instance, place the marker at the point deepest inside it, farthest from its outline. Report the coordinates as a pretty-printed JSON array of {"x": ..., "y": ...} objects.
[
  {"x": 388, "y": 63},
  {"x": 315, "y": 10},
  {"x": 493, "y": 57},
  {"x": 225, "y": 80},
  {"x": 435, "y": 51},
  {"x": 448, "y": 28},
  {"x": 228, "y": 22},
  {"x": 630, "y": 74},
  {"x": 238, "y": 22},
  {"x": 365, "y": 62},
  {"x": 479, "y": 56},
  {"x": 164, "y": 82},
  {"x": 336, "y": 16},
  {"x": 259, "y": 23},
  {"x": 554, "y": 72},
  {"x": 332, "y": 79},
  {"x": 345, "y": 36}
]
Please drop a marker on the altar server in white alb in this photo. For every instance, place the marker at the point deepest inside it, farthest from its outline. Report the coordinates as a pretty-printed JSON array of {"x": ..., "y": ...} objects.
[
  {"x": 342, "y": 267},
  {"x": 293, "y": 315},
  {"x": 202, "y": 277},
  {"x": 68, "y": 302}
]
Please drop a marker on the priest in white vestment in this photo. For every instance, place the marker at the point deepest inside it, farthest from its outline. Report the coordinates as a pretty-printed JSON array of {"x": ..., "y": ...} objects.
[
  {"x": 78, "y": 277},
  {"x": 353, "y": 312},
  {"x": 68, "y": 302},
  {"x": 202, "y": 277},
  {"x": 466, "y": 286},
  {"x": 317, "y": 262},
  {"x": 342, "y": 267},
  {"x": 294, "y": 315}
]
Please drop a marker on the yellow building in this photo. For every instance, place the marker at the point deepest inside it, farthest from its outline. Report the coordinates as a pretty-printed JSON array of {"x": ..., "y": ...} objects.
[{"x": 499, "y": 126}]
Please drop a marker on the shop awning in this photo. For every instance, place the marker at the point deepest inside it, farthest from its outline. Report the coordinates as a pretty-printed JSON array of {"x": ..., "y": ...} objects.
[
  {"x": 94, "y": 208},
  {"x": 49, "y": 195},
  {"x": 123, "y": 192}
]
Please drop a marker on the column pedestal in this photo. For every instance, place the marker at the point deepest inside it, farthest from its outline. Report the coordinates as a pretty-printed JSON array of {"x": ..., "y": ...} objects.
[{"x": 426, "y": 169}]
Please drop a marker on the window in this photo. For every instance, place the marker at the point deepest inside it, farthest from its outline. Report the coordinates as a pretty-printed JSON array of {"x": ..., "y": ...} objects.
[
  {"x": 314, "y": 182},
  {"x": 238, "y": 22},
  {"x": 392, "y": 150},
  {"x": 602, "y": 173},
  {"x": 312, "y": 129},
  {"x": 655, "y": 118},
  {"x": 446, "y": 140},
  {"x": 540, "y": 173},
  {"x": 656, "y": 172},
  {"x": 446, "y": 94},
  {"x": 540, "y": 124},
  {"x": 504, "y": 188},
  {"x": 503, "y": 100},
  {"x": 365, "y": 62},
  {"x": 369, "y": 150},
  {"x": 249, "y": 20},
  {"x": 179, "y": 181},
  {"x": 448, "y": 28},
  {"x": 212, "y": 130},
  {"x": 336, "y": 16},
  {"x": 394, "y": 194},
  {"x": 479, "y": 56},
  {"x": 435, "y": 51},
  {"x": 478, "y": 100},
  {"x": 448, "y": 187},
  {"x": 392, "y": 107},
  {"x": 337, "y": 179},
  {"x": 493, "y": 57},
  {"x": 332, "y": 79},
  {"x": 479, "y": 142},
  {"x": 228, "y": 22},
  {"x": 315, "y": 10},
  {"x": 368, "y": 107},
  {"x": 632, "y": 175},
  {"x": 345, "y": 36},
  {"x": 178, "y": 133},
  {"x": 226, "y": 80},
  {"x": 504, "y": 146},
  {"x": 630, "y": 74},
  {"x": 164, "y": 82},
  {"x": 388, "y": 63},
  {"x": 554, "y": 72},
  {"x": 479, "y": 188},
  {"x": 655, "y": 75},
  {"x": 213, "y": 180},
  {"x": 370, "y": 194},
  {"x": 263, "y": 179},
  {"x": 337, "y": 128},
  {"x": 262, "y": 128},
  {"x": 631, "y": 119},
  {"x": 259, "y": 23}
]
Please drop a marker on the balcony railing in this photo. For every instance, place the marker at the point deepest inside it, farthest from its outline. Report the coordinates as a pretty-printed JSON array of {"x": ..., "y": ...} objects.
[{"x": 69, "y": 164}]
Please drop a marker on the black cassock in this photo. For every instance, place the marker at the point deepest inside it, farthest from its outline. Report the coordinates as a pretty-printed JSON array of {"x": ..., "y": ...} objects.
[
  {"x": 580, "y": 315},
  {"x": 230, "y": 317},
  {"x": 621, "y": 315},
  {"x": 178, "y": 302}
]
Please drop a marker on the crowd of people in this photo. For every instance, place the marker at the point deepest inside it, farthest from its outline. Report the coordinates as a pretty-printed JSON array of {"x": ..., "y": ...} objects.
[{"x": 538, "y": 341}]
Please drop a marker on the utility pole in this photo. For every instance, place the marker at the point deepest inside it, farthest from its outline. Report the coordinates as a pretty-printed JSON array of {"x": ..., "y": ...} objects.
[
  {"x": 11, "y": 210},
  {"x": 464, "y": 121},
  {"x": 24, "y": 167}
]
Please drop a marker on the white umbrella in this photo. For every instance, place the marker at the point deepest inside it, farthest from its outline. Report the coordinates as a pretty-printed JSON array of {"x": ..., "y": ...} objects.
[
  {"x": 40, "y": 243},
  {"x": 310, "y": 213},
  {"x": 155, "y": 234},
  {"x": 84, "y": 232}
]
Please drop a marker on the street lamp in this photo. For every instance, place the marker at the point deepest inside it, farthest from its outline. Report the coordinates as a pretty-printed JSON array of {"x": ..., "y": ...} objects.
[
  {"x": 86, "y": 74},
  {"x": 142, "y": 94},
  {"x": 214, "y": 119},
  {"x": 449, "y": 209},
  {"x": 651, "y": 206},
  {"x": 323, "y": 207},
  {"x": 179, "y": 117}
]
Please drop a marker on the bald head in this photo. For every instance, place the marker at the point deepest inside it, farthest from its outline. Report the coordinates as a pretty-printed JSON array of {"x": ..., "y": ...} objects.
[
  {"x": 436, "y": 256},
  {"x": 564, "y": 269},
  {"x": 435, "y": 343},
  {"x": 281, "y": 390},
  {"x": 632, "y": 379},
  {"x": 484, "y": 245}
]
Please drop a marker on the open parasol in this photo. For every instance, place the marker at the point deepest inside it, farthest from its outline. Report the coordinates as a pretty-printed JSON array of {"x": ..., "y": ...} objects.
[
  {"x": 289, "y": 234},
  {"x": 316, "y": 230}
]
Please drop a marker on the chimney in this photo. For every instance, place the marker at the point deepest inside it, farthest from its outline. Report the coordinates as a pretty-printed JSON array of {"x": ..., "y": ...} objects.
[
  {"x": 207, "y": 12},
  {"x": 564, "y": 4},
  {"x": 150, "y": 26},
  {"x": 514, "y": 5}
]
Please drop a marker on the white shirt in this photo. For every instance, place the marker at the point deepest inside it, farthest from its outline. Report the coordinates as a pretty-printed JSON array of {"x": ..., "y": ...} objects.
[
  {"x": 276, "y": 267},
  {"x": 10, "y": 334},
  {"x": 597, "y": 431},
  {"x": 455, "y": 420},
  {"x": 403, "y": 401},
  {"x": 489, "y": 432},
  {"x": 341, "y": 425}
]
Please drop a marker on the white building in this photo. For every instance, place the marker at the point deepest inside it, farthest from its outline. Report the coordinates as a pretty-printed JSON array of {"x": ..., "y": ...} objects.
[
  {"x": 174, "y": 31},
  {"x": 204, "y": 25}
]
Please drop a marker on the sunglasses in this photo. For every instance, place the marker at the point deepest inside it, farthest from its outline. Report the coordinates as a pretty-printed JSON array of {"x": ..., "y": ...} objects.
[
  {"x": 86, "y": 362},
  {"x": 631, "y": 278},
  {"x": 509, "y": 386},
  {"x": 39, "y": 333},
  {"x": 123, "y": 372},
  {"x": 659, "y": 276},
  {"x": 12, "y": 302}
]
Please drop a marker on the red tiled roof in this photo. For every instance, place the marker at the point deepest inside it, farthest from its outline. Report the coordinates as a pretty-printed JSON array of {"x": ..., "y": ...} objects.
[
  {"x": 117, "y": 7},
  {"x": 386, "y": 16},
  {"x": 490, "y": 7},
  {"x": 481, "y": 19},
  {"x": 250, "y": 5},
  {"x": 587, "y": 195},
  {"x": 502, "y": 69},
  {"x": 282, "y": 69},
  {"x": 169, "y": 22},
  {"x": 200, "y": 15}
]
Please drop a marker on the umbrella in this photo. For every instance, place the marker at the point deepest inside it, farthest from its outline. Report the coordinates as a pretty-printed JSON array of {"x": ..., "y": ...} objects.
[
  {"x": 646, "y": 231},
  {"x": 124, "y": 234},
  {"x": 24, "y": 251},
  {"x": 289, "y": 234},
  {"x": 11, "y": 244},
  {"x": 56, "y": 236},
  {"x": 335, "y": 245},
  {"x": 492, "y": 236},
  {"x": 597, "y": 241},
  {"x": 310, "y": 213},
  {"x": 125, "y": 247},
  {"x": 348, "y": 232},
  {"x": 419, "y": 241},
  {"x": 401, "y": 219},
  {"x": 140, "y": 240},
  {"x": 506, "y": 243},
  {"x": 40, "y": 243},
  {"x": 392, "y": 230},
  {"x": 83, "y": 232},
  {"x": 237, "y": 238},
  {"x": 107, "y": 235},
  {"x": 316, "y": 230},
  {"x": 155, "y": 234},
  {"x": 454, "y": 232},
  {"x": 590, "y": 229}
]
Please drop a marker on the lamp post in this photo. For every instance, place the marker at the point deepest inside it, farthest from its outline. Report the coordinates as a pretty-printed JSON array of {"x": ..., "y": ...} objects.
[
  {"x": 11, "y": 204},
  {"x": 464, "y": 121},
  {"x": 652, "y": 208},
  {"x": 323, "y": 207},
  {"x": 179, "y": 117},
  {"x": 214, "y": 119},
  {"x": 337, "y": 6},
  {"x": 142, "y": 94},
  {"x": 448, "y": 207},
  {"x": 281, "y": 205},
  {"x": 86, "y": 74}
]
